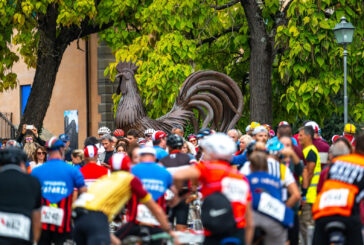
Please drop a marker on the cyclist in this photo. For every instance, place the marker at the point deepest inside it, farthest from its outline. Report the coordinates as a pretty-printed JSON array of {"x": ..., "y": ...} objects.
[
  {"x": 58, "y": 180},
  {"x": 104, "y": 200},
  {"x": 20, "y": 200},
  {"x": 216, "y": 175},
  {"x": 92, "y": 171},
  {"x": 340, "y": 197},
  {"x": 174, "y": 161},
  {"x": 160, "y": 144},
  {"x": 270, "y": 213},
  {"x": 156, "y": 180}
]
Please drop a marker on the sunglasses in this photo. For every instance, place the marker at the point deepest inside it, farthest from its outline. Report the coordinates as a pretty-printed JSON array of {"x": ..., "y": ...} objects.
[
  {"x": 41, "y": 153},
  {"x": 193, "y": 140},
  {"x": 148, "y": 135},
  {"x": 28, "y": 138}
]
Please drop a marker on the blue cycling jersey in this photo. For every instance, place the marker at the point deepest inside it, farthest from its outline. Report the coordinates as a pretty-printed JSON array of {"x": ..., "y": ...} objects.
[
  {"x": 155, "y": 178},
  {"x": 275, "y": 138},
  {"x": 267, "y": 197},
  {"x": 160, "y": 152},
  {"x": 58, "y": 179},
  {"x": 239, "y": 159}
]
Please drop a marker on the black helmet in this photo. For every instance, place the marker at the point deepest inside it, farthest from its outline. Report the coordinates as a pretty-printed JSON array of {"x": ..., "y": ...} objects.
[
  {"x": 203, "y": 132},
  {"x": 175, "y": 141}
]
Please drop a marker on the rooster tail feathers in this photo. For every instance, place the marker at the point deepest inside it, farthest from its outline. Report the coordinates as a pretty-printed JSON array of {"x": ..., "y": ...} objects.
[{"x": 216, "y": 97}]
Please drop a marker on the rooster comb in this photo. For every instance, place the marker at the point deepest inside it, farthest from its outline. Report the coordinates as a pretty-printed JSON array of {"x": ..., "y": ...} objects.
[{"x": 127, "y": 65}]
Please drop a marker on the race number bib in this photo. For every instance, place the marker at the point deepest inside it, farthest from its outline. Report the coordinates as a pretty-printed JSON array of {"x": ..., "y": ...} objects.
[
  {"x": 334, "y": 198},
  {"x": 52, "y": 215},
  {"x": 235, "y": 190},
  {"x": 144, "y": 215},
  {"x": 14, "y": 226},
  {"x": 271, "y": 206}
]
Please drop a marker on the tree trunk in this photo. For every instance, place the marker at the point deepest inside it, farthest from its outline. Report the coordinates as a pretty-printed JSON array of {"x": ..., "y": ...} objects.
[
  {"x": 261, "y": 61},
  {"x": 49, "y": 56}
]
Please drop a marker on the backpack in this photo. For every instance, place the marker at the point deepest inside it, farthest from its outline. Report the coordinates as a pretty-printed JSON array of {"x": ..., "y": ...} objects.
[{"x": 217, "y": 210}]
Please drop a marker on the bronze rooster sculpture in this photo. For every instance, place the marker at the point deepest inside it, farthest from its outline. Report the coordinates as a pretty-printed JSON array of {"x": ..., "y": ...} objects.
[{"x": 214, "y": 95}]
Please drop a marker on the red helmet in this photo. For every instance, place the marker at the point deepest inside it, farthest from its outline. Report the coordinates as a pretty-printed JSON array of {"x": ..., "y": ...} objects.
[
  {"x": 119, "y": 133},
  {"x": 119, "y": 161}
]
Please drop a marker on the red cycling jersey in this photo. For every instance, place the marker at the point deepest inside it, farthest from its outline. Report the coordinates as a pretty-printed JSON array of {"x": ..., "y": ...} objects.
[{"x": 219, "y": 176}]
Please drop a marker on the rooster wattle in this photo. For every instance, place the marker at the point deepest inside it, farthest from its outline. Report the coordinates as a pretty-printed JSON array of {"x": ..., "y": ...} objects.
[{"x": 214, "y": 95}]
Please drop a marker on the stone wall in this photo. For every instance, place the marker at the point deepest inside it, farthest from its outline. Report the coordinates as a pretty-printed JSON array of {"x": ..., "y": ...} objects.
[{"x": 105, "y": 87}]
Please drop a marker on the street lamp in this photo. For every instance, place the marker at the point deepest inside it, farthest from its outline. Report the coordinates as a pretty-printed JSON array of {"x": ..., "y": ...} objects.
[{"x": 344, "y": 32}]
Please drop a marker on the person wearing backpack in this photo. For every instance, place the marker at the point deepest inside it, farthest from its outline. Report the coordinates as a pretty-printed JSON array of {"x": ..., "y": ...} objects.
[
  {"x": 227, "y": 210},
  {"x": 271, "y": 214}
]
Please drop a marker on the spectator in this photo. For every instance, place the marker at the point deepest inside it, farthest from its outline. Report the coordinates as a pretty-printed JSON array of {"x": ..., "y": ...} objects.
[
  {"x": 26, "y": 128},
  {"x": 132, "y": 136},
  {"x": 39, "y": 157},
  {"x": 68, "y": 150},
  {"x": 106, "y": 142},
  {"x": 243, "y": 142},
  {"x": 77, "y": 158}
]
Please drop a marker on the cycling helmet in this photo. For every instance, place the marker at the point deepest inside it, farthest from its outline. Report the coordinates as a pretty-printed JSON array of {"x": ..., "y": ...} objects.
[
  {"x": 203, "y": 132},
  {"x": 175, "y": 141},
  {"x": 64, "y": 138},
  {"x": 90, "y": 151},
  {"x": 54, "y": 144},
  {"x": 119, "y": 133},
  {"x": 314, "y": 126},
  {"x": 13, "y": 143},
  {"x": 274, "y": 147},
  {"x": 120, "y": 161},
  {"x": 219, "y": 146},
  {"x": 149, "y": 131},
  {"x": 259, "y": 129},
  {"x": 104, "y": 130},
  {"x": 349, "y": 128}
]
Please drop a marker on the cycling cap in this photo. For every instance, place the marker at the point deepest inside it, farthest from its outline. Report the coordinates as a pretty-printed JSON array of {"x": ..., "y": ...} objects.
[
  {"x": 274, "y": 147},
  {"x": 119, "y": 133},
  {"x": 259, "y": 129},
  {"x": 64, "y": 137},
  {"x": 149, "y": 131},
  {"x": 90, "y": 151},
  {"x": 349, "y": 128},
  {"x": 119, "y": 161},
  {"x": 104, "y": 130},
  {"x": 314, "y": 126},
  {"x": 147, "y": 150},
  {"x": 141, "y": 141},
  {"x": 157, "y": 135},
  {"x": 283, "y": 123},
  {"x": 253, "y": 125},
  {"x": 174, "y": 141},
  {"x": 54, "y": 144},
  {"x": 272, "y": 133},
  {"x": 191, "y": 136},
  {"x": 219, "y": 145},
  {"x": 203, "y": 132},
  {"x": 13, "y": 143}
]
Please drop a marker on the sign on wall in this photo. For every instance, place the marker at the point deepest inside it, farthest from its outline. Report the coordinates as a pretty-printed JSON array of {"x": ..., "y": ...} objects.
[{"x": 71, "y": 127}]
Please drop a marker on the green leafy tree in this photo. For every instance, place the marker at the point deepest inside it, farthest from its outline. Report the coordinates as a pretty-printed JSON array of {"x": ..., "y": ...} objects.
[
  {"x": 42, "y": 30},
  {"x": 309, "y": 74}
]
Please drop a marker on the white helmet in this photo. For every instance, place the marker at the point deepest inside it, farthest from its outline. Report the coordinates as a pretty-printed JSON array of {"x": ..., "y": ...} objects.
[
  {"x": 219, "y": 146},
  {"x": 149, "y": 131},
  {"x": 104, "y": 130}
]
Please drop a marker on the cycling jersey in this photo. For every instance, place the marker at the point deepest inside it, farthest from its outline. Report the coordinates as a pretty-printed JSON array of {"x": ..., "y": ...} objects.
[
  {"x": 155, "y": 178},
  {"x": 58, "y": 180},
  {"x": 160, "y": 152},
  {"x": 267, "y": 198},
  {"x": 344, "y": 188},
  {"x": 91, "y": 172},
  {"x": 175, "y": 160},
  {"x": 219, "y": 176},
  {"x": 110, "y": 193},
  {"x": 278, "y": 170}
]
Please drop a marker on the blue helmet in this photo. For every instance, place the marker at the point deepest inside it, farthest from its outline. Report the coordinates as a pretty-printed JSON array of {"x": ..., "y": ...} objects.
[
  {"x": 54, "y": 144},
  {"x": 274, "y": 147},
  {"x": 203, "y": 132},
  {"x": 64, "y": 137}
]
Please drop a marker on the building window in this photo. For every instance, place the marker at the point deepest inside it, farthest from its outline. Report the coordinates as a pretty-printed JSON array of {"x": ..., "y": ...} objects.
[{"x": 24, "y": 95}]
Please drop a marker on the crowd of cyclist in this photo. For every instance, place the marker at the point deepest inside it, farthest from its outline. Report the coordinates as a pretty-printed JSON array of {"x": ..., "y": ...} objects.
[{"x": 261, "y": 187}]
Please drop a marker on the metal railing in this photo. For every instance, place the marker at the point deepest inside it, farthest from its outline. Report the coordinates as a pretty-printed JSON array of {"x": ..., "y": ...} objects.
[{"x": 7, "y": 129}]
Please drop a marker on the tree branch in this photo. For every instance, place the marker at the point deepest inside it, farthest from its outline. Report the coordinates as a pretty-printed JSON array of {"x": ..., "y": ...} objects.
[
  {"x": 228, "y": 5},
  {"x": 213, "y": 38}
]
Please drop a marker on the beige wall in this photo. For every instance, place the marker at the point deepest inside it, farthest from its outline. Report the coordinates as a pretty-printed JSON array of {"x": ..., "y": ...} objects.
[{"x": 69, "y": 92}]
